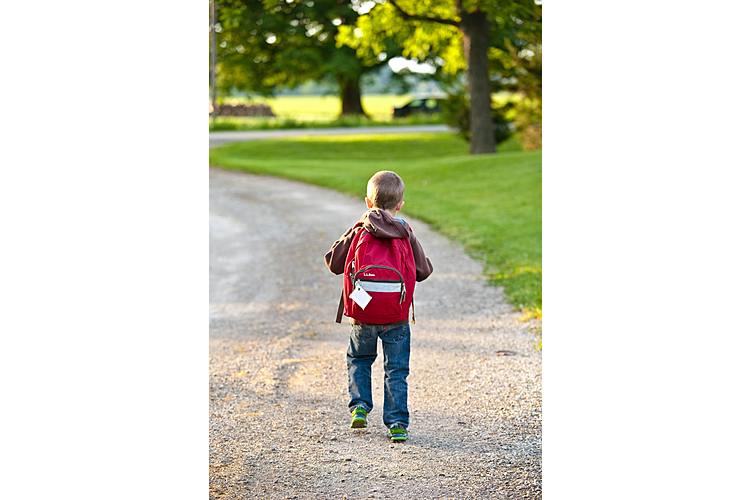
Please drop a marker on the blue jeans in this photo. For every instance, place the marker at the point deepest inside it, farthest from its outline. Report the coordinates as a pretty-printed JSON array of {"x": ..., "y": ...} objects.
[{"x": 363, "y": 349}]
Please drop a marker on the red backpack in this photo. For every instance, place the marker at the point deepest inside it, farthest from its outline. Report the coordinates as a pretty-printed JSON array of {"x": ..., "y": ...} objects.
[{"x": 384, "y": 268}]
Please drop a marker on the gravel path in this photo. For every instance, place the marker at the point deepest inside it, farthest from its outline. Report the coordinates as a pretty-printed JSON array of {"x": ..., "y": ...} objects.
[{"x": 278, "y": 382}]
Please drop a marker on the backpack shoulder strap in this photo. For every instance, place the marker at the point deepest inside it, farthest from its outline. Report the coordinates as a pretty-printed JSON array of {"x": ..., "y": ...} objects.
[
  {"x": 340, "y": 312},
  {"x": 358, "y": 238}
]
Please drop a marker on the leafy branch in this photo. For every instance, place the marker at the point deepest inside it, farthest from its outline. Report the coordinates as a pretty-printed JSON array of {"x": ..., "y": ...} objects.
[{"x": 420, "y": 17}]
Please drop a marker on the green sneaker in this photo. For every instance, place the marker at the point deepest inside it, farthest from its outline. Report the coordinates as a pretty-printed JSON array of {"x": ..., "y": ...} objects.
[
  {"x": 359, "y": 418},
  {"x": 398, "y": 433}
]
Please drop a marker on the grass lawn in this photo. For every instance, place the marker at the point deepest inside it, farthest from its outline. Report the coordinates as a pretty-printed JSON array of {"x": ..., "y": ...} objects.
[{"x": 490, "y": 203}]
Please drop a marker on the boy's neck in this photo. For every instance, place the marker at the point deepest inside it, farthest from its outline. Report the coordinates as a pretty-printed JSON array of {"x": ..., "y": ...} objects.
[{"x": 393, "y": 214}]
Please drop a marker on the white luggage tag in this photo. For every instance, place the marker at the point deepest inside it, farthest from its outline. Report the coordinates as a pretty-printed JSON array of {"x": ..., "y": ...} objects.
[{"x": 361, "y": 297}]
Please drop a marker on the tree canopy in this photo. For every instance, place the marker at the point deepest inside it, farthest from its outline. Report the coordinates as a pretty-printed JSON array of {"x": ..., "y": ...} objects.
[
  {"x": 497, "y": 45},
  {"x": 264, "y": 45},
  {"x": 488, "y": 46}
]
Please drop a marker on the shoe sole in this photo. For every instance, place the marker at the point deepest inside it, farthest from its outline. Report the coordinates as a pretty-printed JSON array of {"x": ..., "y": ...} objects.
[
  {"x": 399, "y": 439},
  {"x": 359, "y": 424}
]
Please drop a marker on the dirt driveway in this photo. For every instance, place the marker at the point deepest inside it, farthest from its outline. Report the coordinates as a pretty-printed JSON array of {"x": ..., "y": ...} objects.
[{"x": 278, "y": 381}]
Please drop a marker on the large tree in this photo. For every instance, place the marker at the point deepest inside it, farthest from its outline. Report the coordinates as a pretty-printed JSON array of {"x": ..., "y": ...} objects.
[
  {"x": 264, "y": 45},
  {"x": 457, "y": 36}
]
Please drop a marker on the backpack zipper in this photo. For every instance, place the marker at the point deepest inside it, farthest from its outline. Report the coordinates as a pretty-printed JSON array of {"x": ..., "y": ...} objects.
[{"x": 353, "y": 277}]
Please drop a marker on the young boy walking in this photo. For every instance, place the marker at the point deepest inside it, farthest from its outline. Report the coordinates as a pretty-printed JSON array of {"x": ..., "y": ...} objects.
[{"x": 382, "y": 260}]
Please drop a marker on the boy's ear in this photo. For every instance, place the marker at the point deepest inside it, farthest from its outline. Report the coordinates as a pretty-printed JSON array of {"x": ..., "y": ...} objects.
[
  {"x": 400, "y": 205},
  {"x": 368, "y": 202}
]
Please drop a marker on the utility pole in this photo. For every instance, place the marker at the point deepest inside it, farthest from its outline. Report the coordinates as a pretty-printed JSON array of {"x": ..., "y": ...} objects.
[{"x": 212, "y": 74}]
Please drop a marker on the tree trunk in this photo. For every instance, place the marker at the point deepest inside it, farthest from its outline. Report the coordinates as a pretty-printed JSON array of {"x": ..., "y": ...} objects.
[
  {"x": 476, "y": 35},
  {"x": 351, "y": 96}
]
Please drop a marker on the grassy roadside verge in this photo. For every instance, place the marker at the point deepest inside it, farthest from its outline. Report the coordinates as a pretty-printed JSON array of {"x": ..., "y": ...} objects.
[{"x": 489, "y": 203}]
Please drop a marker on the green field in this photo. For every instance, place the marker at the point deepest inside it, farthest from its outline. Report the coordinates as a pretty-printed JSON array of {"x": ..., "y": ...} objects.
[
  {"x": 322, "y": 108},
  {"x": 320, "y": 111},
  {"x": 323, "y": 111},
  {"x": 490, "y": 203}
]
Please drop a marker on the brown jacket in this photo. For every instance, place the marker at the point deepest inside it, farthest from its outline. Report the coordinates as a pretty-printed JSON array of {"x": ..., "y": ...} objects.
[{"x": 380, "y": 224}]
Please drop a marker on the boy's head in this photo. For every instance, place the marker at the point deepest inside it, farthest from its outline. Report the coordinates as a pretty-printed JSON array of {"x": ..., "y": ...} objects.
[{"x": 385, "y": 190}]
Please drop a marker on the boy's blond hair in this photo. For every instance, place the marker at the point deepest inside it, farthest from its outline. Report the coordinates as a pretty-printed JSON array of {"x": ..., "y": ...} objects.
[{"x": 385, "y": 190}]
